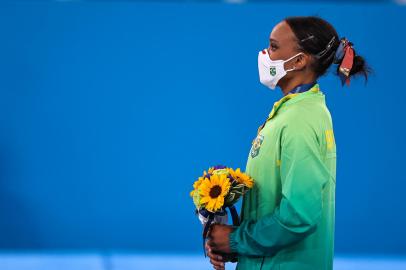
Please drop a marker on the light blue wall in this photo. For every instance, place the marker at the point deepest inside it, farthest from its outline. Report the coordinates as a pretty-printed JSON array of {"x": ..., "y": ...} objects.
[{"x": 109, "y": 112}]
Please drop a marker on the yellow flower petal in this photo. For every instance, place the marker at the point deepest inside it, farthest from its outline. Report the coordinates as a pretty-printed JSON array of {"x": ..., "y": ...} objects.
[{"x": 206, "y": 191}]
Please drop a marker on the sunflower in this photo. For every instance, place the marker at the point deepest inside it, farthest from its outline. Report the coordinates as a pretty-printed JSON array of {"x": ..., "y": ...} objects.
[
  {"x": 196, "y": 185},
  {"x": 212, "y": 191},
  {"x": 241, "y": 178}
]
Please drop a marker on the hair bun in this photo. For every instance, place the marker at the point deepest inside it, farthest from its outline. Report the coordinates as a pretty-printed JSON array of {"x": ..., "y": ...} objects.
[{"x": 349, "y": 63}]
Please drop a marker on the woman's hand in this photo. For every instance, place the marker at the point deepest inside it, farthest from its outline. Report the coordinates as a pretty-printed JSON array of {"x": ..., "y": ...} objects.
[
  {"x": 215, "y": 259},
  {"x": 219, "y": 238}
]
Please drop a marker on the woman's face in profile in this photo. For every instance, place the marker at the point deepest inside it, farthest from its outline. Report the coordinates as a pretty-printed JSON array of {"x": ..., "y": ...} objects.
[{"x": 282, "y": 44}]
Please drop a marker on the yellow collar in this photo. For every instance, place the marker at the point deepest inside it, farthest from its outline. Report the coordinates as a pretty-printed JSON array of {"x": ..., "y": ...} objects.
[{"x": 278, "y": 104}]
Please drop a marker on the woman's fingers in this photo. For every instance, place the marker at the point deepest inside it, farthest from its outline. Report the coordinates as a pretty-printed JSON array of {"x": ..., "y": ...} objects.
[
  {"x": 217, "y": 264},
  {"x": 207, "y": 246},
  {"x": 213, "y": 256},
  {"x": 215, "y": 259},
  {"x": 210, "y": 243}
]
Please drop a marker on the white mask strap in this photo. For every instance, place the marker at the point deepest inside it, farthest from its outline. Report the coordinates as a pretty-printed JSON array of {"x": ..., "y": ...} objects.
[{"x": 291, "y": 59}]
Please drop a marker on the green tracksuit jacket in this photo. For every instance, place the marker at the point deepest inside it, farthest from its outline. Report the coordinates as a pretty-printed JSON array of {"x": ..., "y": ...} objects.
[{"x": 287, "y": 218}]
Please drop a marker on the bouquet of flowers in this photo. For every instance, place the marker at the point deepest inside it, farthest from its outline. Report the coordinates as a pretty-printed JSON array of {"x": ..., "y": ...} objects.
[{"x": 216, "y": 190}]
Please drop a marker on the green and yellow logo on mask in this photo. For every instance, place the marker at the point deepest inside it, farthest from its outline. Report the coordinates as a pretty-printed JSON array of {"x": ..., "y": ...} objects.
[{"x": 272, "y": 71}]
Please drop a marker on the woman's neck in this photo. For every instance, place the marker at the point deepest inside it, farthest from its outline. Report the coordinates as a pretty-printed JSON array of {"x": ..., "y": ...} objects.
[{"x": 294, "y": 82}]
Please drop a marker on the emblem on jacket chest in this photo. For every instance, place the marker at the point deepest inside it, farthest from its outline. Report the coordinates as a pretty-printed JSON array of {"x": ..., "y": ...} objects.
[{"x": 256, "y": 145}]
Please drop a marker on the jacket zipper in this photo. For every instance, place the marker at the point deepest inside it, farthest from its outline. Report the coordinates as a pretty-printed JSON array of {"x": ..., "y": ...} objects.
[{"x": 262, "y": 263}]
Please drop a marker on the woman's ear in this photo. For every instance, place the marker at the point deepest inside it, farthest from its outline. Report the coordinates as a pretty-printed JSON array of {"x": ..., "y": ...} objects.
[
  {"x": 302, "y": 61},
  {"x": 298, "y": 63}
]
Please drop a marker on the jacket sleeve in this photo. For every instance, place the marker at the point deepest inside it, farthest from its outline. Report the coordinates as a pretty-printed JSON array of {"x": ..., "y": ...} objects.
[{"x": 303, "y": 176}]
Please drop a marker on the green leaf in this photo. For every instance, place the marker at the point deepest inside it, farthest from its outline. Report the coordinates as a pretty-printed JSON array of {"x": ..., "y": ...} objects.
[
  {"x": 229, "y": 198},
  {"x": 196, "y": 199}
]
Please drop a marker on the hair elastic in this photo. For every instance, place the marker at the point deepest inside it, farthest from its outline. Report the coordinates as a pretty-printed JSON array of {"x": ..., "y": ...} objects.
[{"x": 345, "y": 57}]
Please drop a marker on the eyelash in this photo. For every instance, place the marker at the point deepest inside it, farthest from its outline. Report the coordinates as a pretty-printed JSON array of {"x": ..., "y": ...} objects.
[{"x": 273, "y": 47}]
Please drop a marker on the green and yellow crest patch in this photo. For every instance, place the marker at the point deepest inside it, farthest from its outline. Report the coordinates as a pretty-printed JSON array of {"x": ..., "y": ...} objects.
[{"x": 256, "y": 145}]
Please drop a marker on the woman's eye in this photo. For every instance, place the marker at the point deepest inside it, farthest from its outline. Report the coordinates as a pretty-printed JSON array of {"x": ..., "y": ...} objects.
[{"x": 273, "y": 47}]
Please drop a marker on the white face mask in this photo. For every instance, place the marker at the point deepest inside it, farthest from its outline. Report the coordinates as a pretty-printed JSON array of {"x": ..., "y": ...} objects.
[{"x": 271, "y": 71}]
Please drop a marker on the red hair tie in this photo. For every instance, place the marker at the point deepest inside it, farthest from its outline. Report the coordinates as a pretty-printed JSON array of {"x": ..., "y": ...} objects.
[{"x": 347, "y": 63}]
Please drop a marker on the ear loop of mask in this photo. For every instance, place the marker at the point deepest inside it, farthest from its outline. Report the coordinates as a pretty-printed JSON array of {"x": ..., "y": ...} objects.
[{"x": 287, "y": 60}]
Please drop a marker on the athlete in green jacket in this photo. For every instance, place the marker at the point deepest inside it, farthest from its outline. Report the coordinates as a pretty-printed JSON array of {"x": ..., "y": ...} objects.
[{"x": 287, "y": 218}]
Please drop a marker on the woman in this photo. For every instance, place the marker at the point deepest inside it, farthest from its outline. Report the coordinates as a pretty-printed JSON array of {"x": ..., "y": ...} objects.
[{"x": 287, "y": 219}]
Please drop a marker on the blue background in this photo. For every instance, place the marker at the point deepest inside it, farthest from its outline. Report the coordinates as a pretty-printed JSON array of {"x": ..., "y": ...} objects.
[{"x": 110, "y": 111}]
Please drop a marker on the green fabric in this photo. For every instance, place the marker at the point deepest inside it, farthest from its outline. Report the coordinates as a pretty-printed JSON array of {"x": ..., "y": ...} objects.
[{"x": 288, "y": 216}]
